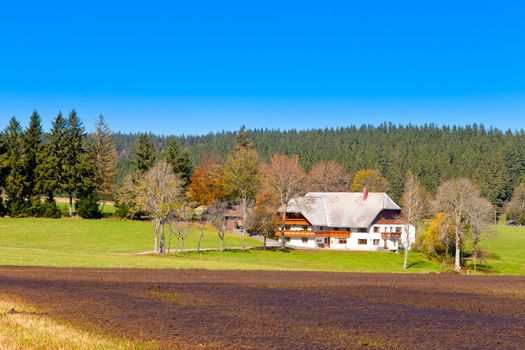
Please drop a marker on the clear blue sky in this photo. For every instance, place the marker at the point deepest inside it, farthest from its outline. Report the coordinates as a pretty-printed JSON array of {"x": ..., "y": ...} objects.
[{"x": 195, "y": 66}]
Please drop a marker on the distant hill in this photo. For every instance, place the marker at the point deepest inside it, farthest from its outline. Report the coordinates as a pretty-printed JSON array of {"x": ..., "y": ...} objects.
[{"x": 493, "y": 158}]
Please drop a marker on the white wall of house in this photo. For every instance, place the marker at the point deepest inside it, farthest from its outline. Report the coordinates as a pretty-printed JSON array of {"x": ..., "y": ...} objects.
[{"x": 366, "y": 241}]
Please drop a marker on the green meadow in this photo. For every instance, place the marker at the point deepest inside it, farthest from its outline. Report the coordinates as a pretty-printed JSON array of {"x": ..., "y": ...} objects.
[{"x": 120, "y": 243}]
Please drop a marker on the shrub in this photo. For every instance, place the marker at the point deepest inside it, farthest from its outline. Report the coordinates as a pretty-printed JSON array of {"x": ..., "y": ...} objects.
[
  {"x": 34, "y": 207},
  {"x": 122, "y": 210},
  {"x": 19, "y": 209},
  {"x": 87, "y": 206},
  {"x": 3, "y": 209},
  {"x": 47, "y": 209}
]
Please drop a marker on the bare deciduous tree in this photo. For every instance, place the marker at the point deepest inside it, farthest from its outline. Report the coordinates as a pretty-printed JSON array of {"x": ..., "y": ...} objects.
[
  {"x": 158, "y": 193},
  {"x": 215, "y": 215},
  {"x": 328, "y": 176},
  {"x": 285, "y": 178},
  {"x": 180, "y": 226},
  {"x": 480, "y": 226},
  {"x": 463, "y": 207},
  {"x": 414, "y": 202}
]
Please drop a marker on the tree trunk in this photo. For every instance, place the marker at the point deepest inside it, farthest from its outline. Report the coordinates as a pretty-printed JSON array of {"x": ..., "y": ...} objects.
[
  {"x": 283, "y": 219},
  {"x": 201, "y": 233},
  {"x": 407, "y": 244},
  {"x": 162, "y": 241},
  {"x": 457, "y": 258},
  {"x": 156, "y": 238},
  {"x": 264, "y": 242},
  {"x": 222, "y": 243},
  {"x": 182, "y": 245},
  {"x": 475, "y": 259},
  {"x": 169, "y": 242},
  {"x": 70, "y": 205},
  {"x": 244, "y": 221}
]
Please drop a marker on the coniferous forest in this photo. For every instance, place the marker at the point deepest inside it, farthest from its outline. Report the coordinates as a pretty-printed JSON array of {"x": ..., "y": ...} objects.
[
  {"x": 492, "y": 158},
  {"x": 70, "y": 161}
]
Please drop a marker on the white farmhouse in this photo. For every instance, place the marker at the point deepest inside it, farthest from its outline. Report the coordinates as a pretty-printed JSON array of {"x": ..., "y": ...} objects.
[{"x": 346, "y": 220}]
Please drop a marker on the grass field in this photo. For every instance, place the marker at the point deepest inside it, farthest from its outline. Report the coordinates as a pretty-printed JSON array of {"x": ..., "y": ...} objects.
[
  {"x": 507, "y": 251},
  {"x": 115, "y": 243}
]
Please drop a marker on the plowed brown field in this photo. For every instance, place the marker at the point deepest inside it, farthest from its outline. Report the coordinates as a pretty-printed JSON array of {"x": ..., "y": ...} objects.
[{"x": 281, "y": 310}]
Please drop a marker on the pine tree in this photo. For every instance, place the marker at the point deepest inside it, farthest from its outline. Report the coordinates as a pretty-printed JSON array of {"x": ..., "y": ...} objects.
[
  {"x": 78, "y": 167},
  {"x": 105, "y": 158},
  {"x": 15, "y": 185},
  {"x": 179, "y": 161},
  {"x": 32, "y": 148},
  {"x": 242, "y": 141},
  {"x": 145, "y": 154},
  {"x": 51, "y": 160}
]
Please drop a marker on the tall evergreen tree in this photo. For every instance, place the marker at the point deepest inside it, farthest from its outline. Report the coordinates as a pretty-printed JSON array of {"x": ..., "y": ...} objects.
[
  {"x": 78, "y": 166},
  {"x": 51, "y": 160},
  {"x": 105, "y": 160},
  {"x": 179, "y": 161},
  {"x": 32, "y": 148},
  {"x": 145, "y": 154},
  {"x": 15, "y": 185},
  {"x": 242, "y": 140}
]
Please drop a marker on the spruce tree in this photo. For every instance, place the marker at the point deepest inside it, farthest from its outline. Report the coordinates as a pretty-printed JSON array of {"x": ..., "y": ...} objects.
[
  {"x": 32, "y": 148},
  {"x": 105, "y": 158},
  {"x": 145, "y": 154},
  {"x": 15, "y": 185},
  {"x": 78, "y": 166},
  {"x": 179, "y": 161},
  {"x": 51, "y": 160}
]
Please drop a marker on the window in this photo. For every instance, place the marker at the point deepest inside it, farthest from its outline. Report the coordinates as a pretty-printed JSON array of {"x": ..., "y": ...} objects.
[
  {"x": 376, "y": 229},
  {"x": 398, "y": 229},
  {"x": 376, "y": 242},
  {"x": 362, "y": 241},
  {"x": 342, "y": 240},
  {"x": 305, "y": 239},
  {"x": 361, "y": 229},
  {"x": 287, "y": 239}
]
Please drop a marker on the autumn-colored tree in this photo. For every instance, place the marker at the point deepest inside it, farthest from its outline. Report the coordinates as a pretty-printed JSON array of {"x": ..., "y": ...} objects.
[
  {"x": 264, "y": 214},
  {"x": 105, "y": 160},
  {"x": 370, "y": 179},
  {"x": 516, "y": 207},
  {"x": 242, "y": 181},
  {"x": 328, "y": 176},
  {"x": 285, "y": 177},
  {"x": 207, "y": 181}
]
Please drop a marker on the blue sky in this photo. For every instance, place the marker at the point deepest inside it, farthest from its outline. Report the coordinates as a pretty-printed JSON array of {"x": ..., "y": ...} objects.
[{"x": 190, "y": 67}]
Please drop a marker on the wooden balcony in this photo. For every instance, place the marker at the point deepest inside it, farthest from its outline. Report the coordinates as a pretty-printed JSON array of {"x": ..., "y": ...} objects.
[
  {"x": 304, "y": 233},
  {"x": 390, "y": 235}
]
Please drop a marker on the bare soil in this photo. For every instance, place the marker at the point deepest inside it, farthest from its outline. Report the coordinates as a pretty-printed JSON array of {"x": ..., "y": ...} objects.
[{"x": 281, "y": 310}]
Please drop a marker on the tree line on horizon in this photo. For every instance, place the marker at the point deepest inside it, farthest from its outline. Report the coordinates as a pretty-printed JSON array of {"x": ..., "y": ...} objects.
[{"x": 493, "y": 159}]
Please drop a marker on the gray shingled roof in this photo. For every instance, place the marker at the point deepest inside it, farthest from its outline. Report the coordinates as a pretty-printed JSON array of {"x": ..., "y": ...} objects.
[{"x": 342, "y": 209}]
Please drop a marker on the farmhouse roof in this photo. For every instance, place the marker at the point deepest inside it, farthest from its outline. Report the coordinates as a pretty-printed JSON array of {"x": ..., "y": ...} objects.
[
  {"x": 233, "y": 211},
  {"x": 342, "y": 209}
]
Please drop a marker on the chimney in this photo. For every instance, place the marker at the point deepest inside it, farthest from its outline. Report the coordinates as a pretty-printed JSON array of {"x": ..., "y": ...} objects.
[{"x": 365, "y": 194}]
